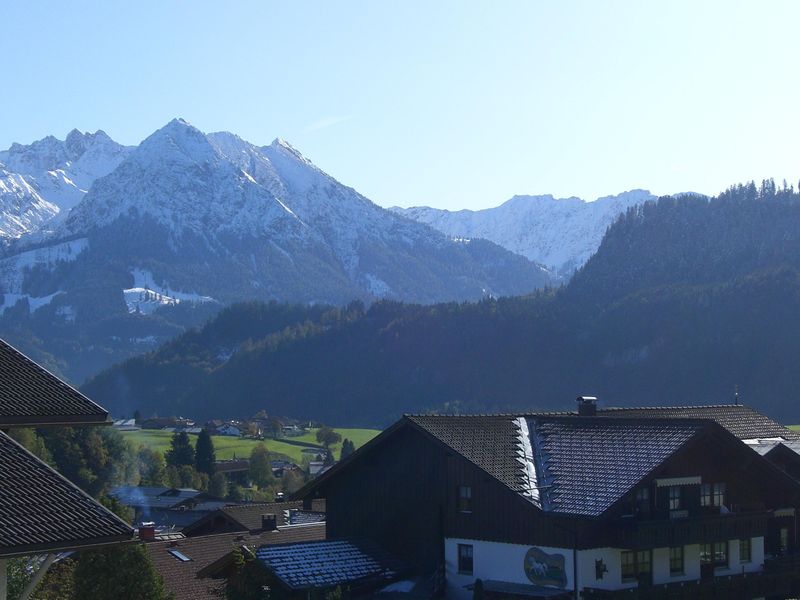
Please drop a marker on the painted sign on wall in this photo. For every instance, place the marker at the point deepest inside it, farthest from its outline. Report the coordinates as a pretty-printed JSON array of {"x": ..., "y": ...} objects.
[{"x": 545, "y": 569}]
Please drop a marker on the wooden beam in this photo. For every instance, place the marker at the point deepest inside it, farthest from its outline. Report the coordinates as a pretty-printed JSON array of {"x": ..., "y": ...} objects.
[
  {"x": 37, "y": 577},
  {"x": 3, "y": 579}
]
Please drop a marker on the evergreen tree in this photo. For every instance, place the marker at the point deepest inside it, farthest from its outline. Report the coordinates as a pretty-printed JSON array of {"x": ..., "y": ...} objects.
[
  {"x": 181, "y": 451},
  {"x": 348, "y": 448},
  {"x": 205, "y": 457},
  {"x": 118, "y": 572}
]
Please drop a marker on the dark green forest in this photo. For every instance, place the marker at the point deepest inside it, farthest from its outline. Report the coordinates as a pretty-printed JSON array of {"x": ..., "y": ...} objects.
[{"x": 686, "y": 299}]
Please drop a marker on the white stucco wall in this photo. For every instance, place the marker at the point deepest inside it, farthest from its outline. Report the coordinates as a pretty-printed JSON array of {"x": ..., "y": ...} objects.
[
  {"x": 505, "y": 562},
  {"x": 493, "y": 560}
]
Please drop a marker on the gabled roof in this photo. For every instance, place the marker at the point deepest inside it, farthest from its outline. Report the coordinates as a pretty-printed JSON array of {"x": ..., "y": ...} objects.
[
  {"x": 492, "y": 442},
  {"x": 41, "y": 511},
  {"x": 32, "y": 396},
  {"x": 247, "y": 517},
  {"x": 191, "y": 579},
  {"x": 319, "y": 565},
  {"x": 584, "y": 464},
  {"x": 565, "y": 463},
  {"x": 742, "y": 421}
]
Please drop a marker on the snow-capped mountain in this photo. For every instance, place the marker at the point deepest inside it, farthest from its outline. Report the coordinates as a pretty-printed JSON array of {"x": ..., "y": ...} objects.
[
  {"x": 59, "y": 172},
  {"x": 22, "y": 208},
  {"x": 188, "y": 222},
  {"x": 560, "y": 233},
  {"x": 265, "y": 222}
]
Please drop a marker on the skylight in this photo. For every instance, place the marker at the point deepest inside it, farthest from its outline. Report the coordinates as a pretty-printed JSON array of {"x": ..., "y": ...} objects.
[{"x": 180, "y": 556}]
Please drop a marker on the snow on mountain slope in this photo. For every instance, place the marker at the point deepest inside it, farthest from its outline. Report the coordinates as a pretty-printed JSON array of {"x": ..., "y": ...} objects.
[
  {"x": 281, "y": 227},
  {"x": 181, "y": 180},
  {"x": 559, "y": 233},
  {"x": 146, "y": 296},
  {"x": 22, "y": 208},
  {"x": 60, "y": 172}
]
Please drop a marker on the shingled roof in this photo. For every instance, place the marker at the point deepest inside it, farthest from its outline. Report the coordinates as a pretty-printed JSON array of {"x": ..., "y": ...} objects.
[
  {"x": 324, "y": 564},
  {"x": 32, "y": 396},
  {"x": 191, "y": 579},
  {"x": 584, "y": 464},
  {"x": 492, "y": 442},
  {"x": 41, "y": 511},
  {"x": 564, "y": 464},
  {"x": 742, "y": 421}
]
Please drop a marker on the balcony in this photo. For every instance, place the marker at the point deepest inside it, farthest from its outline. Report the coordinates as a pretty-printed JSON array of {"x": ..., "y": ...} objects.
[
  {"x": 779, "y": 579},
  {"x": 681, "y": 530}
]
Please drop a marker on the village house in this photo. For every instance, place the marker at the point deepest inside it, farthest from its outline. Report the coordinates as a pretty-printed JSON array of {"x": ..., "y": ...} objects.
[
  {"x": 168, "y": 508},
  {"x": 257, "y": 517},
  {"x": 196, "y": 568},
  {"x": 638, "y": 503}
]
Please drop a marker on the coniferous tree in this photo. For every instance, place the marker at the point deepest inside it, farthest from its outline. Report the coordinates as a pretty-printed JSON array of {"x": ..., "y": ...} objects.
[
  {"x": 348, "y": 448},
  {"x": 181, "y": 451},
  {"x": 205, "y": 457},
  {"x": 118, "y": 572}
]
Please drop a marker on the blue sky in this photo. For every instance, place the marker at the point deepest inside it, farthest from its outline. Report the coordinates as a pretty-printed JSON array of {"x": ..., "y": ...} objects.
[{"x": 450, "y": 104}]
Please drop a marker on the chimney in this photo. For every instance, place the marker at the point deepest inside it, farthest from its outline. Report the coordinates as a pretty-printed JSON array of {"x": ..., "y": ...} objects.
[
  {"x": 147, "y": 531},
  {"x": 269, "y": 522},
  {"x": 587, "y": 406}
]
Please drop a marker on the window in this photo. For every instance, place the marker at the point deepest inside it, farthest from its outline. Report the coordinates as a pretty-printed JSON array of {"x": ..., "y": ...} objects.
[
  {"x": 745, "y": 550},
  {"x": 784, "y": 547},
  {"x": 713, "y": 494},
  {"x": 465, "y": 559},
  {"x": 714, "y": 554},
  {"x": 675, "y": 497},
  {"x": 628, "y": 566},
  {"x": 676, "y": 561},
  {"x": 464, "y": 498},
  {"x": 636, "y": 565},
  {"x": 643, "y": 500}
]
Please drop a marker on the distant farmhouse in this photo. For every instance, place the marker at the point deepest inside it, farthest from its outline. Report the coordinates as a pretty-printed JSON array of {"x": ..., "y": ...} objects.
[
  {"x": 598, "y": 504},
  {"x": 40, "y": 511}
]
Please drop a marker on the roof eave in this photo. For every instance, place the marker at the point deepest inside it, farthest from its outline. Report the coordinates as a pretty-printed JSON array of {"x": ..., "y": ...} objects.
[
  {"x": 14, "y": 551},
  {"x": 12, "y": 422}
]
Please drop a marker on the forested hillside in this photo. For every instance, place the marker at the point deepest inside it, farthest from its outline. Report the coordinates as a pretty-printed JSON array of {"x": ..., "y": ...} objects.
[{"x": 683, "y": 301}]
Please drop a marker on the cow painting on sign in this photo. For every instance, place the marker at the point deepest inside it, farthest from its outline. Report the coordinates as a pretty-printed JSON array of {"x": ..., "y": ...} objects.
[{"x": 545, "y": 569}]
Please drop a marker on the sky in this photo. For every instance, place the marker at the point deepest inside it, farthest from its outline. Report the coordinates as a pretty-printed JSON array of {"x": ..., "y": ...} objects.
[{"x": 452, "y": 104}]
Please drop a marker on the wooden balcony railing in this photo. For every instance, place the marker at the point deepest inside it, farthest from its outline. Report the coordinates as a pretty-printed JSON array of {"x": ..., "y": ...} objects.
[{"x": 779, "y": 579}]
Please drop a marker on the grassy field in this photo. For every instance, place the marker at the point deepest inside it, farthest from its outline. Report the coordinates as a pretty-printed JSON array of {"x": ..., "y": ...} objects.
[
  {"x": 794, "y": 427},
  {"x": 227, "y": 447}
]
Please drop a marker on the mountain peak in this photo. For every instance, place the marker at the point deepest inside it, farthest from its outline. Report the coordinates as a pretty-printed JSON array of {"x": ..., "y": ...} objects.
[
  {"x": 178, "y": 137},
  {"x": 286, "y": 148}
]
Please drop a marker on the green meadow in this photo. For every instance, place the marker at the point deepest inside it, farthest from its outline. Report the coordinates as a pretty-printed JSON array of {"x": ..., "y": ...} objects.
[{"x": 227, "y": 447}]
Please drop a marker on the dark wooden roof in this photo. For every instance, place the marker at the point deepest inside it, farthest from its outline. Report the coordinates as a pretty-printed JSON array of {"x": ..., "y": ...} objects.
[
  {"x": 41, "y": 511},
  {"x": 32, "y": 396},
  {"x": 192, "y": 579},
  {"x": 742, "y": 421},
  {"x": 489, "y": 441},
  {"x": 582, "y": 464}
]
